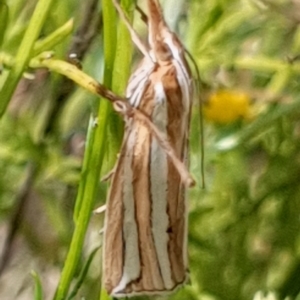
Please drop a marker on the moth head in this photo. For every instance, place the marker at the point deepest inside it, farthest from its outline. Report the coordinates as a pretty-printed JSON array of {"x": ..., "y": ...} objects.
[
  {"x": 162, "y": 52},
  {"x": 158, "y": 30}
]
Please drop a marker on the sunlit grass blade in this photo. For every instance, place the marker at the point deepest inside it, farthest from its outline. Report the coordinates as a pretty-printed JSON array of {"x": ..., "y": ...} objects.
[
  {"x": 24, "y": 53},
  {"x": 54, "y": 38},
  {"x": 85, "y": 200},
  {"x": 119, "y": 81},
  {"x": 83, "y": 274},
  {"x": 93, "y": 158},
  {"x": 38, "y": 290},
  {"x": 116, "y": 75},
  {"x": 3, "y": 20}
]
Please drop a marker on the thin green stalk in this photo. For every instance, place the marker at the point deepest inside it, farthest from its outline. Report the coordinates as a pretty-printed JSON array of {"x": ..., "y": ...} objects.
[
  {"x": 85, "y": 197},
  {"x": 3, "y": 20},
  {"x": 279, "y": 81},
  {"x": 54, "y": 38},
  {"x": 94, "y": 155},
  {"x": 110, "y": 47},
  {"x": 83, "y": 274},
  {"x": 110, "y": 38},
  {"x": 23, "y": 56},
  {"x": 121, "y": 73},
  {"x": 38, "y": 291},
  {"x": 116, "y": 74},
  {"x": 262, "y": 64}
]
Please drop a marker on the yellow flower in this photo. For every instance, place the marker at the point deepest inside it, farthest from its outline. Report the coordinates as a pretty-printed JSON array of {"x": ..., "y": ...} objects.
[{"x": 227, "y": 106}]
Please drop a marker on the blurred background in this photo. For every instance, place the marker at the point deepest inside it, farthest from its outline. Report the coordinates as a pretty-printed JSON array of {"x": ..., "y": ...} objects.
[{"x": 244, "y": 240}]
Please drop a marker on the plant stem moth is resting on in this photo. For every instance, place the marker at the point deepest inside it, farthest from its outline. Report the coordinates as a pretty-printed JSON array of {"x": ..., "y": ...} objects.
[{"x": 145, "y": 239}]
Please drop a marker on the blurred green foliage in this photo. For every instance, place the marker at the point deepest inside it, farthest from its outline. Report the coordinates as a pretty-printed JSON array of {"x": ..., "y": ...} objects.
[{"x": 243, "y": 227}]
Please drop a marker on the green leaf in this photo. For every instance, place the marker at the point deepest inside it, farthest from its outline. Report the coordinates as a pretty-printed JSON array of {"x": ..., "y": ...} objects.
[
  {"x": 24, "y": 53},
  {"x": 94, "y": 154},
  {"x": 38, "y": 291},
  {"x": 83, "y": 274},
  {"x": 54, "y": 38},
  {"x": 3, "y": 20}
]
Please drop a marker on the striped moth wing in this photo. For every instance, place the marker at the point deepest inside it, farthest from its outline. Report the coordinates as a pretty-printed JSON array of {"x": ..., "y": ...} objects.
[{"x": 145, "y": 239}]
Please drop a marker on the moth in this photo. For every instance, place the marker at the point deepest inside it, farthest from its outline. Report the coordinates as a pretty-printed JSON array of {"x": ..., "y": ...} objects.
[{"x": 145, "y": 231}]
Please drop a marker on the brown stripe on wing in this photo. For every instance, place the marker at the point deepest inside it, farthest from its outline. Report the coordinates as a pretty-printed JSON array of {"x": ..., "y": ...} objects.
[
  {"x": 166, "y": 74},
  {"x": 172, "y": 72},
  {"x": 176, "y": 198},
  {"x": 150, "y": 279},
  {"x": 113, "y": 234}
]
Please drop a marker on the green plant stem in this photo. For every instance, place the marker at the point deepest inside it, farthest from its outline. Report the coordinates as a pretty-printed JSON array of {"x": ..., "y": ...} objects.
[
  {"x": 37, "y": 21},
  {"x": 3, "y": 20},
  {"x": 263, "y": 64},
  {"x": 110, "y": 47},
  {"x": 38, "y": 291},
  {"x": 116, "y": 75},
  {"x": 54, "y": 38},
  {"x": 94, "y": 152},
  {"x": 121, "y": 73}
]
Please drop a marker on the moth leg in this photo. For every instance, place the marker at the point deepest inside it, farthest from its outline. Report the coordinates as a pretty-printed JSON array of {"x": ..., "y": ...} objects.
[
  {"x": 109, "y": 175},
  {"x": 144, "y": 17},
  {"x": 134, "y": 36},
  {"x": 101, "y": 209},
  {"x": 101, "y": 231},
  {"x": 199, "y": 86}
]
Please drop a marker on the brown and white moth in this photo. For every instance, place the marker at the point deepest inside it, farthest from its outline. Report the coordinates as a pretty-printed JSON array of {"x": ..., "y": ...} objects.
[{"x": 145, "y": 233}]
